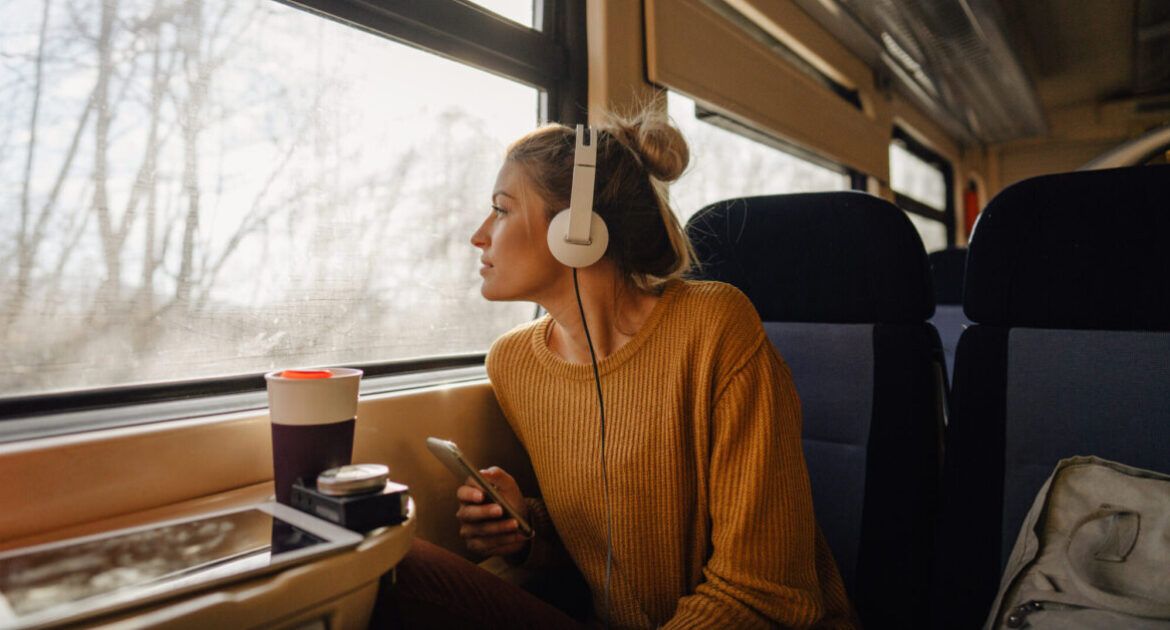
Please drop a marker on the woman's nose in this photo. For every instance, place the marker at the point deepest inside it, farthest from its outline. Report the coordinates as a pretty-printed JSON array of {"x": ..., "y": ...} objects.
[{"x": 479, "y": 237}]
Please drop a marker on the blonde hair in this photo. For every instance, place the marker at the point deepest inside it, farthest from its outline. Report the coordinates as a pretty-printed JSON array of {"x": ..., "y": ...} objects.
[{"x": 636, "y": 158}]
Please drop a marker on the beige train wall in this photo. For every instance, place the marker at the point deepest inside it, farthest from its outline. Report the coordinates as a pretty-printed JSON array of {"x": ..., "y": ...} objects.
[
  {"x": 638, "y": 47},
  {"x": 1076, "y": 135}
]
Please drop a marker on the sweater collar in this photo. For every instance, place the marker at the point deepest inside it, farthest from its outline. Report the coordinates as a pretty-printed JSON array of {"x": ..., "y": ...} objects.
[{"x": 559, "y": 367}]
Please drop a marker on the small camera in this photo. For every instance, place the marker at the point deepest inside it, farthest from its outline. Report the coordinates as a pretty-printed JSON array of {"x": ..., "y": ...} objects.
[{"x": 359, "y": 498}]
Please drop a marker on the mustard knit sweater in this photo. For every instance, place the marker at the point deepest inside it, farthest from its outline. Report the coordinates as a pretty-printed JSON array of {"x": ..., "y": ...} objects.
[{"x": 712, "y": 514}]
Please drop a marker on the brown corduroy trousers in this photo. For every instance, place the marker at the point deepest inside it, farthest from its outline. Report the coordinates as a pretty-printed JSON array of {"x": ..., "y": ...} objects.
[{"x": 434, "y": 588}]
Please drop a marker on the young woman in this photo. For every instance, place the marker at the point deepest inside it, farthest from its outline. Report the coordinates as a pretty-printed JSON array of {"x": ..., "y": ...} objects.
[{"x": 710, "y": 517}]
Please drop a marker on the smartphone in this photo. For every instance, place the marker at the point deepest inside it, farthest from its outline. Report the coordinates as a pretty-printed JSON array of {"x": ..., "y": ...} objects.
[{"x": 453, "y": 459}]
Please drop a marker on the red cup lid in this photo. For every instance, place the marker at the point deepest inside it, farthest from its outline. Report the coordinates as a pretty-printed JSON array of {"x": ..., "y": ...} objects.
[{"x": 306, "y": 374}]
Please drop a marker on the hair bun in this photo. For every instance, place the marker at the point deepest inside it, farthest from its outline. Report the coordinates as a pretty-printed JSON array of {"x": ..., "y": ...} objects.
[{"x": 658, "y": 144}]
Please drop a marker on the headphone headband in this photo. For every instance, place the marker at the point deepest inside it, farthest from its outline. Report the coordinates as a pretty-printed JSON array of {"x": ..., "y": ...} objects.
[{"x": 584, "y": 174}]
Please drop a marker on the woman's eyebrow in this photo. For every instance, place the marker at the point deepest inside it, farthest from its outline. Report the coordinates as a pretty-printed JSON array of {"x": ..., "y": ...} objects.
[{"x": 500, "y": 193}]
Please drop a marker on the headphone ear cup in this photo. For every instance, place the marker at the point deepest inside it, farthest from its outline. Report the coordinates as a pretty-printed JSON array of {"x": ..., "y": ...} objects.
[{"x": 572, "y": 254}]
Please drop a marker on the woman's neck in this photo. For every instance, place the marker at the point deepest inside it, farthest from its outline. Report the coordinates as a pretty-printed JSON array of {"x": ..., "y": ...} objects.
[{"x": 614, "y": 310}]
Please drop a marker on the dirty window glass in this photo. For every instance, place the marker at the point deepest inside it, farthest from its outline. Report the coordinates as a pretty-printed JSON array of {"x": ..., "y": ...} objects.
[
  {"x": 725, "y": 165},
  {"x": 213, "y": 187}
]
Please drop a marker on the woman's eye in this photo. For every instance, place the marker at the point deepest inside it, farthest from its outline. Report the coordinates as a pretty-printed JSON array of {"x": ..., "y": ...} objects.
[{"x": 498, "y": 210}]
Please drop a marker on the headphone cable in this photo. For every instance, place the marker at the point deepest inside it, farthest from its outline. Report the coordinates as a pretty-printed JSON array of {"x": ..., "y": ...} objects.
[{"x": 604, "y": 478}]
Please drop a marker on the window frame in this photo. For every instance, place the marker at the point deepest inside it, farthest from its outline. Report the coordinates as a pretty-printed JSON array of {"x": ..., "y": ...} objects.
[
  {"x": 912, "y": 205},
  {"x": 551, "y": 58}
]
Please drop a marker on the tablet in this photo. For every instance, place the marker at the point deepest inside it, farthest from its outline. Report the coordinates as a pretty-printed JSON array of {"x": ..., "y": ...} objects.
[{"x": 80, "y": 577}]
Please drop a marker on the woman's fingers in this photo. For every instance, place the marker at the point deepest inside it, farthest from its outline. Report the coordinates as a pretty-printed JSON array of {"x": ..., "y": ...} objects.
[
  {"x": 484, "y": 526},
  {"x": 493, "y": 473},
  {"x": 472, "y": 512},
  {"x": 488, "y": 529},
  {"x": 469, "y": 494},
  {"x": 505, "y": 486},
  {"x": 497, "y": 545}
]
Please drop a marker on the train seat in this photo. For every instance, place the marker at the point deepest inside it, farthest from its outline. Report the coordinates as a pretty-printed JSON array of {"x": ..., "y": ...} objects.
[
  {"x": 842, "y": 285},
  {"x": 946, "y": 268},
  {"x": 1068, "y": 284}
]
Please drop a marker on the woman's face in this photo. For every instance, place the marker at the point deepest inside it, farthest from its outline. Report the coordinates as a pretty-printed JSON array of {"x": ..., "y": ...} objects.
[{"x": 516, "y": 262}]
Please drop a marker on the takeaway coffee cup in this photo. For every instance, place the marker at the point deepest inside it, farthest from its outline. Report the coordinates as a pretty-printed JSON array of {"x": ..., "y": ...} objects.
[{"x": 312, "y": 414}]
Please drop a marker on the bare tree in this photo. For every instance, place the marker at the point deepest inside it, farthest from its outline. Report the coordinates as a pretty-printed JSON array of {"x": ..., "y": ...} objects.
[
  {"x": 33, "y": 225},
  {"x": 26, "y": 240},
  {"x": 199, "y": 67},
  {"x": 101, "y": 206}
]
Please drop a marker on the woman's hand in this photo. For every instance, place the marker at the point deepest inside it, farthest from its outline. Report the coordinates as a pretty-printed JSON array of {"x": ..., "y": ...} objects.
[{"x": 486, "y": 528}]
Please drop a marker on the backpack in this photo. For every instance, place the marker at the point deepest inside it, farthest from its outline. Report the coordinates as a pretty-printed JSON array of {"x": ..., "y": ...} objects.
[{"x": 1093, "y": 552}]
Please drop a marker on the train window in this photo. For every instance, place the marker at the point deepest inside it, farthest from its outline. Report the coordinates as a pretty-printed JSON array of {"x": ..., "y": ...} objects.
[
  {"x": 914, "y": 177},
  {"x": 921, "y": 181},
  {"x": 725, "y": 164},
  {"x": 933, "y": 233},
  {"x": 219, "y": 187}
]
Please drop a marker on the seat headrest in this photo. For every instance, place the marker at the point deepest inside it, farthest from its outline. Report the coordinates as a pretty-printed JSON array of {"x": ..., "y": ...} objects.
[
  {"x": 839, "y": 257},
  {"x": 1084, "y": 250},
  {"x": 946, "y": 269}
]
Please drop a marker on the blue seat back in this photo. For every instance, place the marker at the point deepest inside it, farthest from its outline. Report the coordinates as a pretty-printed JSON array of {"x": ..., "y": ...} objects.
[
  {"x": 842, "y": 285},
  {"x": 1070, "y": 355}
]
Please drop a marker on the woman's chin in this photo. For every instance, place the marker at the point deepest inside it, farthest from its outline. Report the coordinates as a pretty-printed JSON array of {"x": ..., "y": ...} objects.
[
  {"x": 490, "y": 293},
  {"x": 495, "y": 294}
]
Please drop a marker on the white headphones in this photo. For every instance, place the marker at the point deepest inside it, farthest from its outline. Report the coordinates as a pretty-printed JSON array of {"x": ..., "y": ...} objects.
[{"x": 577, "y": 236}]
